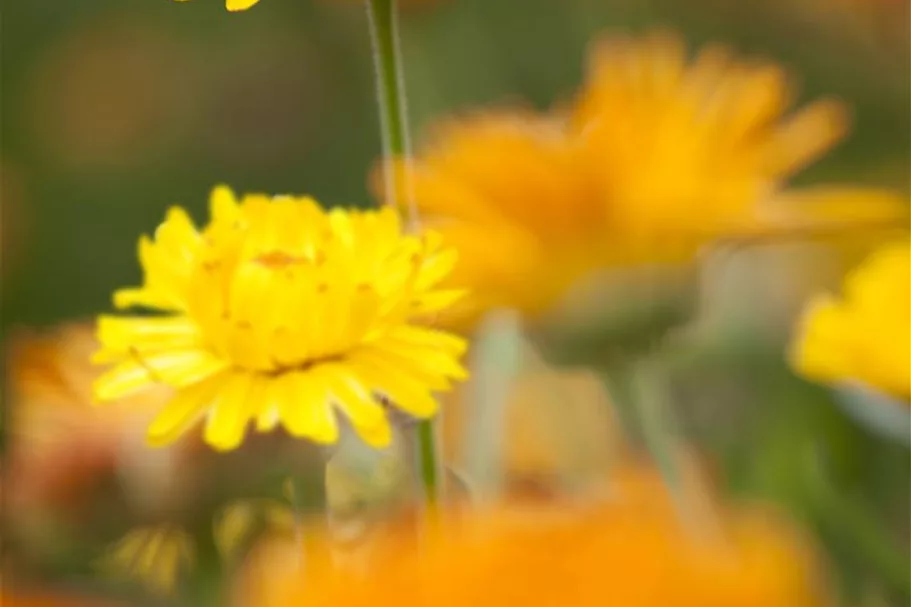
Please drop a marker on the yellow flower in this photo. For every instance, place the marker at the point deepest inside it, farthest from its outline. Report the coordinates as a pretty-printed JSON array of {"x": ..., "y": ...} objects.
[
  {"x": 236, "y": 5},
  {"x": 633, "y": 551},
  {"x": 152, "y": 556},
  {"x": 281, "y": 312},
  {"x": 866, "y": 335},
  {"x": 654, "y": 160}
]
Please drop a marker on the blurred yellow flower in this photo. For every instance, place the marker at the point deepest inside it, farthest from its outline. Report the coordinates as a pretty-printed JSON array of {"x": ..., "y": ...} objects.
[
  {"x": 655, "y": 159},
  {"x": 236, "y": 5},
  {"x": 865, "y": 336},
  {"x": 151, "y": 556},
  {"x": 279, "y": 311},
  {"x": 632, "y": 551}
]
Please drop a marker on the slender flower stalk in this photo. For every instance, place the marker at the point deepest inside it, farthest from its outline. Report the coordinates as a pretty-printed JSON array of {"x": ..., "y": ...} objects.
[
  {"x": 392, "y": 101},
  {"x": 635, "y": 386},
  {"x": 391, "y": 98},
  {"x": 656, "y": 424}
]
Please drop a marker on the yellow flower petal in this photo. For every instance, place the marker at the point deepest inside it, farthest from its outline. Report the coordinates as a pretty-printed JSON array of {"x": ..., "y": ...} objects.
[
  {"x": 425, "y": 359},
  {"x": 181, "y": 367},
  {"x": 239, "y": 5},
  {"x": 145, "y": 298},
  {"x": 223, "y": 205},
  {"x": 437, "y": 301},
  {"x": 186, "y": 409},
  {"x": 227, "y": 419},
  {"x": 383, "y": 363},
  {"x": 126, "y": 378},
  {"x": 400, "y": 387},
  {"x": 422, "y": 337},
  {"x": 351, "y": 396},
  {"x": 129, "y": 333},
  {"x": 303, "y": 400}
]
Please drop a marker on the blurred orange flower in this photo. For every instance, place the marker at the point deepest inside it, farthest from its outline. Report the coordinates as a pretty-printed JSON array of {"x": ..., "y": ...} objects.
[
  {"x": 631, "y": 551},
  {"x": 656, "y": 158},
  {"x": 59, "y": 442}
]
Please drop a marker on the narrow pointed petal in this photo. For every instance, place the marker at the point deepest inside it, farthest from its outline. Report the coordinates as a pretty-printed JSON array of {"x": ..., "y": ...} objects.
[
  {"x": 227, "y": 421},
  {"x": 187, "y": 408},
  {"x": 304, "y": 404}
]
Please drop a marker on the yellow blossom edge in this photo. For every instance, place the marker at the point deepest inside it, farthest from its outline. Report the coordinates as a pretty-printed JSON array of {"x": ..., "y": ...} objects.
[
  {"x": 865, "y": 335},
  {"x": 235, "y": 5},
  {"x": 279, "y": 312}
]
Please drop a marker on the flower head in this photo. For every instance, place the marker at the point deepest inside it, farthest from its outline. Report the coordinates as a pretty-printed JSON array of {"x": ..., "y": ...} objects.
[
  {"x": 656, "y": 158},
  {"x": 281, "y": 312},
  {"x": 690, "y": 151},
  {"x": 865, "y": 335}
]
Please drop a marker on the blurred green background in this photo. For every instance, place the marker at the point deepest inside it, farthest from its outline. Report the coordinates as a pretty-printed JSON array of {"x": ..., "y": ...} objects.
[{"x": 113, "y": 110}]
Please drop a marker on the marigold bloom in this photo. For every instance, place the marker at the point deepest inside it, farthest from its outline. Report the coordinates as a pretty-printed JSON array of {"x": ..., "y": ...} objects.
[
  {"x": 279, "y": 311},
  {"x": 632, "y": 551},
  {"x": 236, "y": 5},
  {"x": 865, "y": 336},
  {"x": 654, "y": 160}
]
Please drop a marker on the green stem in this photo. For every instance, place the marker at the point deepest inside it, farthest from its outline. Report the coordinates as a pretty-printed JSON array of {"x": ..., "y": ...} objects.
[
  {"x": 636, "y": 394},
  {"x": 655, "y": 423},
  {"x": 853, "y": 523},
  {"x": 428, "y": 463},
  {"x": 617, "y": 378},
  {"x": 391, "y": 98}
]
